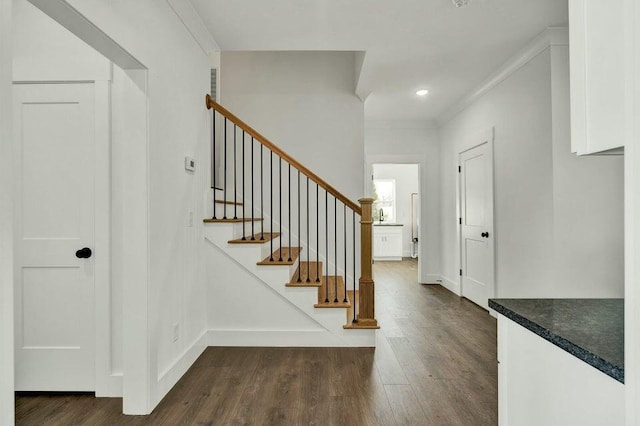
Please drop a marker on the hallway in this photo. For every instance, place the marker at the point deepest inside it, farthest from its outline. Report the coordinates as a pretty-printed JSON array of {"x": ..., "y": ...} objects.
[{"x": 435, "y": 364}]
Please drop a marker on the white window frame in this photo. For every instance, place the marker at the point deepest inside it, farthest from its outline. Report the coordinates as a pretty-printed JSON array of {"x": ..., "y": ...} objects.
[{"x": 394, "y": 200}]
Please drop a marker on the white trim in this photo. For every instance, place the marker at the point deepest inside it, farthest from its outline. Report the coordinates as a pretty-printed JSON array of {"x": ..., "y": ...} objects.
[
  {"x": 192, "y": 21},
  {"x": 503, "y": 362},
  {"x": 7, "y": 404},
  {"x": 431, "y": 279},
  {"x": 107, "y": 384},
  {"x": 451, "y": 285},
  {"x": 171, "y": 375},
  {"x": 552, "y": 36},
  {"x": 632, "y": 214},
  {"x": 138, "y": 339},
  {"x": 360, "y": 56},
  {"x": 288, "y": 338}
]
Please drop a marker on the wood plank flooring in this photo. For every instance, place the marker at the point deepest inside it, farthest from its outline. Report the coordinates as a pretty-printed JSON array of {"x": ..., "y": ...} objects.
[{"x": 435, "y": 364}]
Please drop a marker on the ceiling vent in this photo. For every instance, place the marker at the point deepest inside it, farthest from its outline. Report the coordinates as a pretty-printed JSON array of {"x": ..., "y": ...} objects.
[{"x": 460, "y": 3}]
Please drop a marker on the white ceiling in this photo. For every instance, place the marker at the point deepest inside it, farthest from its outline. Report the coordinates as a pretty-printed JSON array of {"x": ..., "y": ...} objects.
[{"x": 409, "y": 44}]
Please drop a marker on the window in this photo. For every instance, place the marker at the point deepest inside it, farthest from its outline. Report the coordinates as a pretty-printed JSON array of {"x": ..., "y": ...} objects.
[{"x": 384, "y": 196}]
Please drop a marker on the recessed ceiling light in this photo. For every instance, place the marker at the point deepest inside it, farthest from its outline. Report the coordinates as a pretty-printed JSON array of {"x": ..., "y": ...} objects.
[{"x": 422, "y": 92}]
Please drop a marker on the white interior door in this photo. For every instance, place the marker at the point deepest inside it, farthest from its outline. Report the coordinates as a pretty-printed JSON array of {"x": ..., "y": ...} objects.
[
  {"x": 476, "y": 224},
  {"x": 54, "y": 298}
]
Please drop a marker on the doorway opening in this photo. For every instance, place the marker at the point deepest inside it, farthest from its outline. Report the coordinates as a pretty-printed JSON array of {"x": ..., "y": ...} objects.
[
  {"x": 395, "y": 188},
  {"x": 80, "y": 116}
]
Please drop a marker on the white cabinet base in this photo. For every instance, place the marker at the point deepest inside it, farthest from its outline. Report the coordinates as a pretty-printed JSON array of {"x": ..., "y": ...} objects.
[
  {"x": 541, "y": 384},
  {"x": 387, "y": 242}
]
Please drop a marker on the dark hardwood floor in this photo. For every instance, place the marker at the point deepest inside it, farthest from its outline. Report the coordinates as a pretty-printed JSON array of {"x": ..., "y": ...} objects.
[{"x": 435, "y": 364}]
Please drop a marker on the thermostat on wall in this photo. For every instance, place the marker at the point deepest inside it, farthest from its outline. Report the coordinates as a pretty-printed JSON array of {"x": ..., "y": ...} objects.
[{"x": 189, "y": 164}]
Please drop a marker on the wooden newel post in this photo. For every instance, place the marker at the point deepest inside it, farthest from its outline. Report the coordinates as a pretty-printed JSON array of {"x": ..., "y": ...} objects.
[{"x": 366, "y": 316}]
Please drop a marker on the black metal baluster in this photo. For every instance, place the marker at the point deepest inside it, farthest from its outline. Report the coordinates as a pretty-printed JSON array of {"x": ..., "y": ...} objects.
[
  {"x": 326, "y": 242},
  {"x": 213, "y": 164},
  {"x": 308, "y": 248},
  {"x": 289, "y": 199},
  {"x": 299, "y": 220},
  {"x": 224, "y": 190},
  {"x": 271, "y": 202},
  {"x": 317, "y": 233},
  {"x": 280, "y": 203},
  {"x": 261, "y": 193},
  {"x": 252, "y": 204},
  {"x": 335, "y": 247},
  {"x": 243, "y": 199},
  {"x": 344, "y": 222},
  {"x": 235, "y": 179},
  {"x": 354, "y": 268}
]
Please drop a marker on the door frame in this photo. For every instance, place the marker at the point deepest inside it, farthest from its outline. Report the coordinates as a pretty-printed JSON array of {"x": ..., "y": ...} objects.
[
  {"x": 106, "y": 383},
  {"x": 487, "y": 137},
  {"x": 138, "y": 371},
  {"x": 7, "y": 399},
  {"x": 370, "y": 160}
]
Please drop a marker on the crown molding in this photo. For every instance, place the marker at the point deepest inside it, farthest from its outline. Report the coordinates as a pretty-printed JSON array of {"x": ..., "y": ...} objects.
[
  {"x": 194, "y": 24},
  {"x": 552, "y": 36}
]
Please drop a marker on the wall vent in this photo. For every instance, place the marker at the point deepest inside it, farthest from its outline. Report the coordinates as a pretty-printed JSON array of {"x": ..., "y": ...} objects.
[{"x": 214, "y": 84}]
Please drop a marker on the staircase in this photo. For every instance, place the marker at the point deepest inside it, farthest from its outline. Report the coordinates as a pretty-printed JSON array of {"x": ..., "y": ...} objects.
[{"x": 293, "y": 231}]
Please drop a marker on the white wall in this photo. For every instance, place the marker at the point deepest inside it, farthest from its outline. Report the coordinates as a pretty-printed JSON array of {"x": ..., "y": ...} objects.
[
  {"x": 407, "y": 182},
  {"x": 43, "y": 50},
  {"x": 6, "y": 218},
  {"x": 588, "y": 205},
  {"x": 305, "y": 103},
  {"x": 413, "y": 142},
  {"x": 558, "y": 225}
]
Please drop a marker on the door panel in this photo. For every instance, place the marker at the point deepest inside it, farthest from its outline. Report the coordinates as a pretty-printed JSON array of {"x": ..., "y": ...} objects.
[
  {"x": 55, "y": 316},
  {"x": 476, "y": 229}
]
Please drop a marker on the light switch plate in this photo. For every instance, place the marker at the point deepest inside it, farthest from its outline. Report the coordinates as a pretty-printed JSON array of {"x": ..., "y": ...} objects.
[{"x": 189, "y": 164}]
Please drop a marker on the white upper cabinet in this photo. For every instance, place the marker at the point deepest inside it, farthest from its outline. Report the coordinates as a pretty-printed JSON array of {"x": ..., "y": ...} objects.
[{"x": 596, "y": 37}]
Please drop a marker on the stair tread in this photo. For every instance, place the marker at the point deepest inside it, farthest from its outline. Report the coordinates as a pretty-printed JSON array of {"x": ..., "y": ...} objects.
[
  {"x": 268, "y": 236},
  {"x": 294, "y": 251},
  {"x": 237, "y": 203},
  {"x": 307, "y": 269},
  {"x": 232, "y": 220},
  {"x": 332, "y": 296}
]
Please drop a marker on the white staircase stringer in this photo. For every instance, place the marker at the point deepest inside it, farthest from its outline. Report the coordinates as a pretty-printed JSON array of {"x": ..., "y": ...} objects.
[{"x": 276, "y": 276}]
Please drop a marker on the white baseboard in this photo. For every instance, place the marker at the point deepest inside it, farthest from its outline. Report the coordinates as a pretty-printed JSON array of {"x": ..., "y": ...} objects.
[
  {"x": 109, "y": 386},
  {"x": 289, "y": 338},
  {"x": 450, "y": 285},
  {"x": 170, "y": 377},
  {"x": 431, "y": 279}
]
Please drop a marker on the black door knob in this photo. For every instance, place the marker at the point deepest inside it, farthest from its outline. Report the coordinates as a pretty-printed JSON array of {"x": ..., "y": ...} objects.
[
  {"x": 84, "y": 253},
  {"x": 485, "y": 234}
]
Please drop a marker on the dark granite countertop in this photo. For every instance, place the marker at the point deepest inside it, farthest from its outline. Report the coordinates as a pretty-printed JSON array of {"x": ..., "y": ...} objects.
[{"x": 590, "y": 329}]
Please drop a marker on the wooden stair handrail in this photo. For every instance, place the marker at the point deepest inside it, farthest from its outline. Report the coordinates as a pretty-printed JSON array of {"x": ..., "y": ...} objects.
[{"x": 277, "y": 150}]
